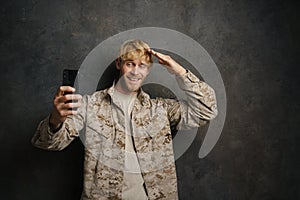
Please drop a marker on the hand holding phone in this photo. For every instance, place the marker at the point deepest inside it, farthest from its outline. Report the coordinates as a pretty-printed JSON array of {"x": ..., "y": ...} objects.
[
  {"x": 65, "y": 102},
  {"x": 69, "y": 76}
]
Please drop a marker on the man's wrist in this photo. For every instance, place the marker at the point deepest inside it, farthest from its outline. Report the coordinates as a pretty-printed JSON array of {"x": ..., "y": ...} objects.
[
  {"x": 55, "y": 128},
  {"x": 181, "y": 72},
  {"x": 54, "y": 125}
]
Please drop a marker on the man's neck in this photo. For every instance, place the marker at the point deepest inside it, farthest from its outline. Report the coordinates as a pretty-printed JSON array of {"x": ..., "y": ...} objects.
[{"x": 120, "y": 89}]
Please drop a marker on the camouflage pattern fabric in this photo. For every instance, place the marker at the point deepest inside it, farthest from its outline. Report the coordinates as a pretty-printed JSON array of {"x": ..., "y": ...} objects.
[{"x": 151, "y": 121}]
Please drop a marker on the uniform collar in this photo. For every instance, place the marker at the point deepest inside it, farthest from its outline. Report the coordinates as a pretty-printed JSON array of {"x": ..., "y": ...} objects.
[{"x": 142, "y": 96}]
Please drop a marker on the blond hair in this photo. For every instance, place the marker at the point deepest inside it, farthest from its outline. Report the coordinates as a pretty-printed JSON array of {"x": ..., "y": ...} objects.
[{"x": 134, "y": 49}]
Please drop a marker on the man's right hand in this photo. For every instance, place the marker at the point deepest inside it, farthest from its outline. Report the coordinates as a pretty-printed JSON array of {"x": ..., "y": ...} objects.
[{"x": 63, "y": 105}]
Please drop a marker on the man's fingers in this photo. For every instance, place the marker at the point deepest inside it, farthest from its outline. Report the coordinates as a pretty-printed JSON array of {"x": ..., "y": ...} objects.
[
  {"x": 73, "y": 97},
  {"x": 64, "y": 89},
  {"x": 162, "y": 57},
  {"x": 68, "y": 97},
  {"x": 161, "y": 61},
  {"x": 65, "y": 113},
  {"x": 71, "y": 112},
  {"x": 64, "y": 109},
  {"x": 158, "y": 55},
  {"x": 71, "y": 105},
  {"x": 151, "y": 51}
]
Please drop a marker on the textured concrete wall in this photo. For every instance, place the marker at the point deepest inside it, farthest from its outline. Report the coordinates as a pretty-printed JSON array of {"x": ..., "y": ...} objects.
[{"x": 255, "y": 45}]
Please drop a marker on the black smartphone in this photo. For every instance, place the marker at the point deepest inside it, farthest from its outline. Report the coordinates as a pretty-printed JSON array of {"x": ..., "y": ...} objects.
[{"x": 69, "y": 76}]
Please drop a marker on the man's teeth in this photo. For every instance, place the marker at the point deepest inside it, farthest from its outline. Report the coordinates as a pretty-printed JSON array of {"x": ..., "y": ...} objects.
[{"x": 134, "y": 79}]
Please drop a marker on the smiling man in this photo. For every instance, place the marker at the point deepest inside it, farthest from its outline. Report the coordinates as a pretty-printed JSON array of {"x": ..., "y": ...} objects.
[
  {"x": 134, "y": 64},
  {"x": 128, "y": 141}
]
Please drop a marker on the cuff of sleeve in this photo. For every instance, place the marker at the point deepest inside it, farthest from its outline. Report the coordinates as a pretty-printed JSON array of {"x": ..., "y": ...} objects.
[
  {"x": 186, "y": 79},
  {"x": 52, "y": 132}
]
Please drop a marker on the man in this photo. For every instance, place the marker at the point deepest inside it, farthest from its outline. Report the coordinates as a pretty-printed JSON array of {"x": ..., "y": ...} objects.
[{"x": 128, "y": 141}]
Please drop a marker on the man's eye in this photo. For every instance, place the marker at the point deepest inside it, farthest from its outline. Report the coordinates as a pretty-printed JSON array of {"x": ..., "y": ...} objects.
[
  {"x": 129, "y": 64},
  {"x": 143, "y": 66}
]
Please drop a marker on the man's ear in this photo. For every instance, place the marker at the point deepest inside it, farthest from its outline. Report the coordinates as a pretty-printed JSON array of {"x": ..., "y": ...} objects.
[{"x": 118, "y": 64}]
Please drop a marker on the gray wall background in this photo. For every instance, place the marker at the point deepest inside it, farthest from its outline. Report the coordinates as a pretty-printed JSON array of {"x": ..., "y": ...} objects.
[{"x": 255, "y": 45}]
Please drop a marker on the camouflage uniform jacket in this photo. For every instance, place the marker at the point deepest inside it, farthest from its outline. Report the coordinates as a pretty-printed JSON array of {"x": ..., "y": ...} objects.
[{"x": 151, "y": 121}]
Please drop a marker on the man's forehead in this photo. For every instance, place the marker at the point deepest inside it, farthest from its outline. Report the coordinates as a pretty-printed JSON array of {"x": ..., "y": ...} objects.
[{"x": 138, "y": 60}]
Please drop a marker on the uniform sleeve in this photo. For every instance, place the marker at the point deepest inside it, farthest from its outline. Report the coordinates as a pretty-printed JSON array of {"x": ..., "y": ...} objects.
[
  {"x": 69, "y": 130},
  {"x": 199, "y": 108}
]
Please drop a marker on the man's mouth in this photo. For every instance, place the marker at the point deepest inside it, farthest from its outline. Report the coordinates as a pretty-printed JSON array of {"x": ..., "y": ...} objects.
[{"x": 134, "y": 79}]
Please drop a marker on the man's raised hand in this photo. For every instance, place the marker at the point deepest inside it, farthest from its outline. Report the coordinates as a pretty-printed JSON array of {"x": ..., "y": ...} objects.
[
  {"x": 64, "y": 104},
  {"x": 172, "y": 66}
]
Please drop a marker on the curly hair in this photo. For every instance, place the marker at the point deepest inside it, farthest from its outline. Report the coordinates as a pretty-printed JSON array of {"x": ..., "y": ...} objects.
[{"x": 134, "y": 49}]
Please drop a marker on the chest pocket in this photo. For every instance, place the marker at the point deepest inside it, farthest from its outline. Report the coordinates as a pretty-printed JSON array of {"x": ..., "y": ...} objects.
[
  {"x": 99, "y": 124},
  {"x": 145, "y": 125}
]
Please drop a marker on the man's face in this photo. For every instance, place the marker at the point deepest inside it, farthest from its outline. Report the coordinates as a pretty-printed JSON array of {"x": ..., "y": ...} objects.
[{"x": 132, "y": 75}]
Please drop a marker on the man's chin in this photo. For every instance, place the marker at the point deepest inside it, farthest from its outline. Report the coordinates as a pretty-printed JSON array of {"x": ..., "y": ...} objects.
[{"x": 133, "y": 87}]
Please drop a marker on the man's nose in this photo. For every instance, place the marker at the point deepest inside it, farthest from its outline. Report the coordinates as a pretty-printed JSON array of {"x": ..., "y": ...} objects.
[{"x": 135, "y": 69}]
